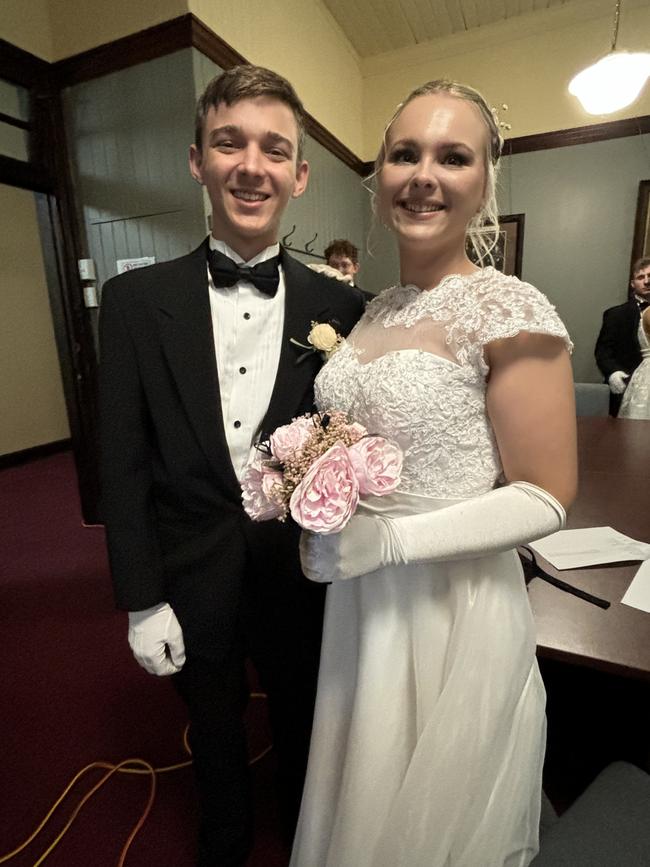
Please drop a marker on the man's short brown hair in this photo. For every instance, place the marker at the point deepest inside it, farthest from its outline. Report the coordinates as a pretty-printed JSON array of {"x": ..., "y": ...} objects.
[
  {"x": 342, "y": 247},
  {"x": 249, "y": 82},
  {"x": 639, "y": 265}
]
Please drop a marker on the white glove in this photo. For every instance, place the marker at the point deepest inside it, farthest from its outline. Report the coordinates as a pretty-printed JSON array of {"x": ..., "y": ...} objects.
[
  {"x": 497, "y": 521},
  {"x": 156, "y": 639},
  {"x": 617, "y": 381}
]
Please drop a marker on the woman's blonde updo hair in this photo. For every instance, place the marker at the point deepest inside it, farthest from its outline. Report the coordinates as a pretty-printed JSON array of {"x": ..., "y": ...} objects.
[{"x": 483, "y": 229}]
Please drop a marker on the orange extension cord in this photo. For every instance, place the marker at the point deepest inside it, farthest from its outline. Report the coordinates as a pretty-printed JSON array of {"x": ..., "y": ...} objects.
[{"x": 128, "y": 766}]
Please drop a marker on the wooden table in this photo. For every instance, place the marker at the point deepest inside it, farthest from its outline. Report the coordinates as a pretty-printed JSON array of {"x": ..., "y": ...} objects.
[{"x": 614, "y": 461}]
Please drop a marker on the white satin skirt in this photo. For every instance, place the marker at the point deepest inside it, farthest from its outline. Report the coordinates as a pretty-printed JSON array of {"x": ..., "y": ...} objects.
[{"x": 429, "y": 732}]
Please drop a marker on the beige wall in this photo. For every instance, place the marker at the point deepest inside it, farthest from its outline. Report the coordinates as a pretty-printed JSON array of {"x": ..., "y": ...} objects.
[
  {"x": 78, "y": 25},
  {"x": 32, "y": 406},
  {"x": 53, "y": 29},
  {"x": 26, "y": 23},
  {"x": 300, "y": 40},
  {"x": 353, "y": 98},
  {"x": 512, "y": 63}
]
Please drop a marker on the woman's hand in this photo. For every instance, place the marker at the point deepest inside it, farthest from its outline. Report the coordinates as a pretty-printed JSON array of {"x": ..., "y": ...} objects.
[{"x": 362, "y": 546}]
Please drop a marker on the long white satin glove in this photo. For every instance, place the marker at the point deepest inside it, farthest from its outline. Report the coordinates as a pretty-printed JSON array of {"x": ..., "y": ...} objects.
[
  {"x": 156, "y": 639},
  {"x": 618, "y": 381},
  {"x": 497, "y": 521}
]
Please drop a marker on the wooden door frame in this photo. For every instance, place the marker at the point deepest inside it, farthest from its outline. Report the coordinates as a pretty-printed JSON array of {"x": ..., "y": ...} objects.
[{"x": 46, "y": 173}]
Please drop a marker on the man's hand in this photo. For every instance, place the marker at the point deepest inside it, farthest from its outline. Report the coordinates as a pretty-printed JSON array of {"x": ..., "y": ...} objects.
[
  {"x": 618, "y": 381},
  {"x": 156, "y": 639}
]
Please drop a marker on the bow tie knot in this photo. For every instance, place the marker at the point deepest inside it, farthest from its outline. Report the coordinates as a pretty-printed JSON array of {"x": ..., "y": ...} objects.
[{"x": 264, "y": 276}]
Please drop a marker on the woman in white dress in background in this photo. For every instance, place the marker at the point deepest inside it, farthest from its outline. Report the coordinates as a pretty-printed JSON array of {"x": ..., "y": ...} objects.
[
  {"x": 636, "y": 398},
  {"x": 429, "y": 734}
]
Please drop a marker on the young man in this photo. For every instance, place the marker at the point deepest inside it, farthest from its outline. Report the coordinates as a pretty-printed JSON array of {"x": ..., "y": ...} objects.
[
  {"x": 197, "y": 364},
  {"x": 343, "y": 256},
  {"x": 618, "y": 353}
]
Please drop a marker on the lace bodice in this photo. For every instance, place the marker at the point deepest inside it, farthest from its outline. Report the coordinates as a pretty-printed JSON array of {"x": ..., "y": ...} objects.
[{"x": 414, "y": 370}]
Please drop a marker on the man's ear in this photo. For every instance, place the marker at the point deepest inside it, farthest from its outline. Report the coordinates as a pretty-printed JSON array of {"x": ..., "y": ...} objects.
[
  {"x": 302, "y": 176},
  {"x": 196, "y": 161}
]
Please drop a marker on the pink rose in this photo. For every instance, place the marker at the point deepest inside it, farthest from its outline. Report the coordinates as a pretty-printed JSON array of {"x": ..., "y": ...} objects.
[
  {"x": 257, "y": 487},
  {"x": 377, "y": 464},
  {"x": 328, "y": 494},
  {"x": 288, "y": 440}
]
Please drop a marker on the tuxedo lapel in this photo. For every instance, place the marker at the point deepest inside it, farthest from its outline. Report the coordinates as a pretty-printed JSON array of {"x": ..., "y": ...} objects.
[
  {"x": 304, "y": 303},
  {"x": 187, "y": 339}
]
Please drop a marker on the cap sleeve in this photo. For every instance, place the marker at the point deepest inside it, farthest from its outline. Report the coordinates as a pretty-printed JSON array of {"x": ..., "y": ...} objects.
[{"x": 510, "y": 306}]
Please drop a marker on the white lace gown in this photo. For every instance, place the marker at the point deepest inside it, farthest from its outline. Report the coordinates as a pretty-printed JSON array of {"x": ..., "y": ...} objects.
[
  {"x": 636, "y": 398},
  {"x": 429, "y": 731}
]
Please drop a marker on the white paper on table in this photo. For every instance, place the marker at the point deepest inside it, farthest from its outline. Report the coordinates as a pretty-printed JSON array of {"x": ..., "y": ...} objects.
[
  {"x": 593, "y": 546},
  {"x": 637, "y": 594}
]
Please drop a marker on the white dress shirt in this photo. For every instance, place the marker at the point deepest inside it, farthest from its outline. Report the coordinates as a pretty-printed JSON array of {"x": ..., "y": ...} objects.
[{"x": 247, "y": 326}]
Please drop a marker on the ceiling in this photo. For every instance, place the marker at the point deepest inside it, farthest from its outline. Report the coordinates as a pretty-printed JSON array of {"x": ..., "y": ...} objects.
[{"x": 376, "y": 26}]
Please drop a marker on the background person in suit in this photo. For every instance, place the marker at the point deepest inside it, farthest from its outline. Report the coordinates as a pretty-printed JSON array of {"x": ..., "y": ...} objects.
[
  {"x": 617, "y": 352},
  {"x": 196, "y": 363}
]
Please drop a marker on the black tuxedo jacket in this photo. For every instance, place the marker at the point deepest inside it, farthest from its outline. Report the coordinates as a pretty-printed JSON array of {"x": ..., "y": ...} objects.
[
  {"x": 171, "y": 503},
  {"x": 368, "y": 296},
  {"x": 617, "y": 347}
]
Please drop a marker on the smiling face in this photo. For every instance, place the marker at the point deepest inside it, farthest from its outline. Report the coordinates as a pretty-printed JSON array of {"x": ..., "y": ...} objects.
[
  {"x": 640, "y": 282},
  {"x": 433, "y": 177},
  {"x": 248, "y": 165}
]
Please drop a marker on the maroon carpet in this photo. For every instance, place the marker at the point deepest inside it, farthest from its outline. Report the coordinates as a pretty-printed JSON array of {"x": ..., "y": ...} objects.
[{"x": 72, "y": 694}]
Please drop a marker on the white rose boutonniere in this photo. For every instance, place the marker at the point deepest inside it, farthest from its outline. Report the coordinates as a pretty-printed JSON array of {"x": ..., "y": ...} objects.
[{"x": 322, "y": 338}]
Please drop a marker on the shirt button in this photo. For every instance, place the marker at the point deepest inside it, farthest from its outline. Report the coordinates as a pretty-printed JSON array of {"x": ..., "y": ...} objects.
[
  {"x": 247, "y": 316},
  {"x": 242, "y": 370},
  {"x": 237, "y": 424}
]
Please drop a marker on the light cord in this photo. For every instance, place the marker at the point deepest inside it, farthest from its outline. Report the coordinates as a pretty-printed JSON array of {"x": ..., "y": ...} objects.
[{"x": 138, "y": 767}]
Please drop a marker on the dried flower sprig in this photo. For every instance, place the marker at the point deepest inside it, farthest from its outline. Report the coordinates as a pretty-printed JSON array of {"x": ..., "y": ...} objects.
[{"x": 329, "y": 429}]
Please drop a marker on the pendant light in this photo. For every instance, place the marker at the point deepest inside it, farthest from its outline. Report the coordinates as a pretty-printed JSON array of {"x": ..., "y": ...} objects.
[{"x": 614, "y": 81}]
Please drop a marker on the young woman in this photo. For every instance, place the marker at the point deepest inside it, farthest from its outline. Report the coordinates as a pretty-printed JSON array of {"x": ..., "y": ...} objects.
[{"x": 428, "y": 743}]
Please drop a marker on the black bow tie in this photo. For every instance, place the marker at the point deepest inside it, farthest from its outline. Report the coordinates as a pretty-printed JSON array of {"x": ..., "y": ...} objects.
[
  {"x": 643, "y": 305},
  {"x": 264, "y": 276}
]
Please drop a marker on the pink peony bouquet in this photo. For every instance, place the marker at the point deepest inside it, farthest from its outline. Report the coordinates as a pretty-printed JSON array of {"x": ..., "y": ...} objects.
[{"x": 315, "y": 469}]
